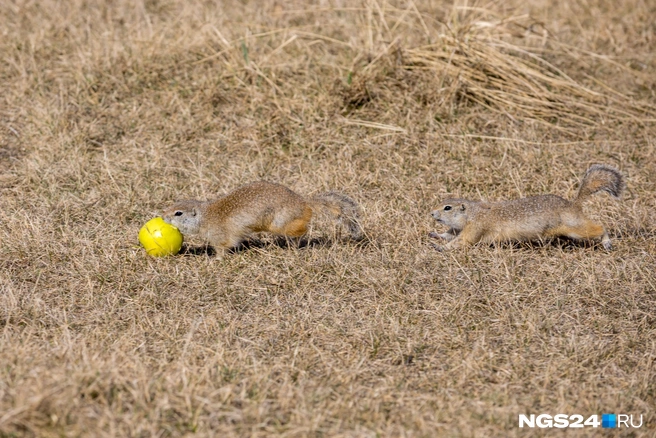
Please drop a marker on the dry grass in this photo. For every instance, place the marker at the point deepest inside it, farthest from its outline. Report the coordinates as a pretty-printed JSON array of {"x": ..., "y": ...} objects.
[{"x": 111, "y": 110}]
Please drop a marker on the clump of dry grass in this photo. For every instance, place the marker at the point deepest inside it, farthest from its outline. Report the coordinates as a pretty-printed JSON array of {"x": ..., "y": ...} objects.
[
  {"x": 111, "y": 110},
  {"x": 516, "y": 81},
  {"x": 502, "y": 64}
]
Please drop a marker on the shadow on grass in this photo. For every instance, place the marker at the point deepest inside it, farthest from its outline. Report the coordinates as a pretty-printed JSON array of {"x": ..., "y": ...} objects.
[
  {"x": 280, "y": 242},
  {"x": 563, "y": 243}
]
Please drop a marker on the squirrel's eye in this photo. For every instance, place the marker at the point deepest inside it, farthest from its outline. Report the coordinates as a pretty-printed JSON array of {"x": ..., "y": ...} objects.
[
  {"x": 447, "y": 208},
  {"x": 177, "y": 213}
]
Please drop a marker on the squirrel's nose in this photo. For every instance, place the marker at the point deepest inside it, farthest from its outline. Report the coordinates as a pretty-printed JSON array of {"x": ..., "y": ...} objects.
[{"x": 435, "y": 214}]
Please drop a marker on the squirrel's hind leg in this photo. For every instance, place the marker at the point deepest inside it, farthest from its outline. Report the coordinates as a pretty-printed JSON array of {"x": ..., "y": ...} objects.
[
  {"x": 294, "y": 226},
  {"x": 585, "y": 230}
]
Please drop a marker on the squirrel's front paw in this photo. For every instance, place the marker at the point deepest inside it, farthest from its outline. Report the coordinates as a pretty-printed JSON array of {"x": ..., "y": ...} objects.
[
  {"x": 439, "y": 248},
  {"x": 443, "y": 236}
]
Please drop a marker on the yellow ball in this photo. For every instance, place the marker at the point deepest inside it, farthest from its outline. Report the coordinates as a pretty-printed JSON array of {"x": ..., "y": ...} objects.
[{"x": 159, "y": 238}]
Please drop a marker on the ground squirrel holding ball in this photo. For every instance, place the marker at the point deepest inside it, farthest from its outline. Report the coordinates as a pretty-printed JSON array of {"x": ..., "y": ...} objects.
[
  {"x": 535, "y": 217},
  {"x": 257, "y": 207}
]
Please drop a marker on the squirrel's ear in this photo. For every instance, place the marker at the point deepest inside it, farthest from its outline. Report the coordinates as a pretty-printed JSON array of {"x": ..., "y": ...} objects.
[
  {"x": 462, "y": 207},
  {"x": 193, "y": 212}
]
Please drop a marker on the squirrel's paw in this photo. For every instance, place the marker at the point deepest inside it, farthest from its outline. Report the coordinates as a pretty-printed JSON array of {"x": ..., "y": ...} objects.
[
  {"x": 443, "y": 236},
  {"x": 439, "y": 248}
]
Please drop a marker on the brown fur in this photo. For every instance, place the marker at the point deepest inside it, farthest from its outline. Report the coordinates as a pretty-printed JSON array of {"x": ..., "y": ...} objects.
[
  {"x": 258, "y": 207},
  {"x": 535, "y": 217}
]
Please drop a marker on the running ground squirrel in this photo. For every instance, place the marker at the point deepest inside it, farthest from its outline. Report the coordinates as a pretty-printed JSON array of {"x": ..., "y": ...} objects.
[
  {"x": 529, "y": 218},
  {"x": 256, "y": 207}
]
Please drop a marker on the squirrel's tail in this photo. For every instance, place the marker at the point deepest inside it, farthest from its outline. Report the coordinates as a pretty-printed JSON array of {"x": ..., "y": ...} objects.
[
  {"x": 600, "y": 177},
  {"x": 343, "y": 208}
]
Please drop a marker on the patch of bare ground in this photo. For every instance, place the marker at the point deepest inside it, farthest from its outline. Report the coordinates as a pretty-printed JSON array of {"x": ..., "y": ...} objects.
[{"x": 111, "y": 110}]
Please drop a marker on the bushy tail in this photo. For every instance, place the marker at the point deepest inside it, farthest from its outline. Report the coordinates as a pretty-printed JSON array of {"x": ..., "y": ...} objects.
[
  {"x": 343, "y": 208},
  {"x": 600, "y": 177}
]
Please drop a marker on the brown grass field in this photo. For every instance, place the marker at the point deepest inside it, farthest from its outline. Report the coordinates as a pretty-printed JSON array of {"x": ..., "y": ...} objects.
[{"x": 111, "y": 110}]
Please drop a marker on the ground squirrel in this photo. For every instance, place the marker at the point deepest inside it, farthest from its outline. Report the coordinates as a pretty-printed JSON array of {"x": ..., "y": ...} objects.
[
  {"x": 529, "y": 218},
  {"x": 256, "y": 207}
]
